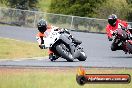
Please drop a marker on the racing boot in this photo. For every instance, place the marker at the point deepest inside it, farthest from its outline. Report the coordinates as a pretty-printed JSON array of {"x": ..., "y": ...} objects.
[
  {"x": 53, "y": 57},
  {"x": 120, "y": 47},
  {"x": 76, "y": 41}
]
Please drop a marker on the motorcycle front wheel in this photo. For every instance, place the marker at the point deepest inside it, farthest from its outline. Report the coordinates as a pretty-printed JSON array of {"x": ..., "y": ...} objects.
[
  {"x": 129, "y": 47},
  {"x": 82, "y": 56},
  {"x": 64, "y": 52}
]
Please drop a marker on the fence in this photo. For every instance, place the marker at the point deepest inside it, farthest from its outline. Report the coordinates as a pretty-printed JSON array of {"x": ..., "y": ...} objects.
[{"x": 28, "y": 18}]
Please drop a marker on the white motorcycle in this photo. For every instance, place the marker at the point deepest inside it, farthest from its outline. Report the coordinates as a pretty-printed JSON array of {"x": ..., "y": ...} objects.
[{"x": 63, "y": 46}]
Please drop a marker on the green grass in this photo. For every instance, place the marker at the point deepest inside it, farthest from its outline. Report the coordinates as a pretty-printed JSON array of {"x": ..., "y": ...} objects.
[
  {"x": 10, "y": 49},
  {"x": 52, "y": 78}
]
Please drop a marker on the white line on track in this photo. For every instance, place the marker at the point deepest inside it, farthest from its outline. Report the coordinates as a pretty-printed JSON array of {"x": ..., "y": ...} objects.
[{"x": 22, "y": 59}]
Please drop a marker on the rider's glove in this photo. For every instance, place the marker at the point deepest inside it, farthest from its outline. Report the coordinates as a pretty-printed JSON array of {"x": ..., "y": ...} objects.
[
  {"x": 113, "y": 34},
  {"x": 42, "y": 46},
  {"x": 110, "y": 39}
]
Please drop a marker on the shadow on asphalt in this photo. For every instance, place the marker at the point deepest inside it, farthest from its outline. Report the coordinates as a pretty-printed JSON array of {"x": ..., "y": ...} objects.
[
  {"x": 65, "y": 61},
  {"x": 124, "y": 57}
]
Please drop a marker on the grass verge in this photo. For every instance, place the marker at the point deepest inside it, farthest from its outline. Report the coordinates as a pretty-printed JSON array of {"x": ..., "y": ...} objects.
[
  {"x": 12, "y": 49},
  {"x": 53, "y": 78}
]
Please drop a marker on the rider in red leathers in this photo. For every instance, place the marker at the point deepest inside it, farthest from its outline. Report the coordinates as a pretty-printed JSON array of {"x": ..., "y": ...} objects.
[{"x": 113, "y": 24}]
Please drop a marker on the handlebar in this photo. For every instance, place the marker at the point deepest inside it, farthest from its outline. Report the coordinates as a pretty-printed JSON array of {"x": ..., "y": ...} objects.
[{"x": 122, "y": 27}]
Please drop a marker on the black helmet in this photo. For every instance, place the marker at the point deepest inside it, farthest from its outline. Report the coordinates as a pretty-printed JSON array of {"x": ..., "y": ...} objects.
[
  {"x": 112, "y": 19},
  {"x": 42, "y": 25}
]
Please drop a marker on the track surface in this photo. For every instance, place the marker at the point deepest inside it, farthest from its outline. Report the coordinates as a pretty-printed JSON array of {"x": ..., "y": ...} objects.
[{"x": 96, "y": 46}]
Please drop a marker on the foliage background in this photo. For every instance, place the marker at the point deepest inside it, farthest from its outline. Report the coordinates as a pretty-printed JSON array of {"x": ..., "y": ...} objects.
[
  {"x": 84, "y": 8},
  {"x": 93, "y": 8}
]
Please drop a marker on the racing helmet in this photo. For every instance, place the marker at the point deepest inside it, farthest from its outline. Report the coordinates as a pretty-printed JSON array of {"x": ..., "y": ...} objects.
[
  {"x": 42, "y": 25},
  {"x": 112, "y": 19}
]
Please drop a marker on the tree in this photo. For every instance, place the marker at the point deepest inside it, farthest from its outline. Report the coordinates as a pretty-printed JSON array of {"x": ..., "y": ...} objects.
[
  {"x": 83, "y": 8},
  {"x": 21, "y": 4},
  {"x": 75, "y": 7},
  {"x": 120, "y": 7},
  {"x": 130, "y": 10},
  {"x": 21, "y": 17}
]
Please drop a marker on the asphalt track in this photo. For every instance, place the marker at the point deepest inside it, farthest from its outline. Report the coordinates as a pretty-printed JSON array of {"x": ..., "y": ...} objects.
[{"x": 96, "y": 46}]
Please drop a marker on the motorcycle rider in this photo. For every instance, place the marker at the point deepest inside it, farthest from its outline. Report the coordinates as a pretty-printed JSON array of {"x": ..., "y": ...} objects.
[
  {"x": 113, "y": 24},
  {"x": 44, "y": 30}
]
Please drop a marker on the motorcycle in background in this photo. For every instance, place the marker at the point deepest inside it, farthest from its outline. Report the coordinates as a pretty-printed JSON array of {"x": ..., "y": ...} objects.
[{"x": 123, "y": 37}]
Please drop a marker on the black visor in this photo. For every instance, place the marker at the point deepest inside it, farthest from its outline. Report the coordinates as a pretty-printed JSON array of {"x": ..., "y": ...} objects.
[
  {"x": 112, "y": 21},
  {"x": 42, "y": 29}
]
